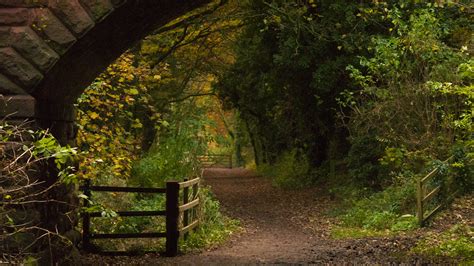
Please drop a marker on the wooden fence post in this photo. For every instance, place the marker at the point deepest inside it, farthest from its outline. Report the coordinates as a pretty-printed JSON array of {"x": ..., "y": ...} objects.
[
  {"x": 172, "y": 216},
  {"x": 186, "y": 212},
  {"x": 194, "y": 212},
  {"x": 86, "y": 220}
]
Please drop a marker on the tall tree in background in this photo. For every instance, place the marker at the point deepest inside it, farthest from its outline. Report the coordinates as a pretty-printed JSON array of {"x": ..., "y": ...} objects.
[
  {"x": 289, "y": 70},
  {"x": 299, "y": 79}
]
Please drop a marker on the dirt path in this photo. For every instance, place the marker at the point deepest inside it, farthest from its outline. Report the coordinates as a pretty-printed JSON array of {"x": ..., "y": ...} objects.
[
  {"x": 282, "y": 227},
  {"x": 273, "y": 219}
]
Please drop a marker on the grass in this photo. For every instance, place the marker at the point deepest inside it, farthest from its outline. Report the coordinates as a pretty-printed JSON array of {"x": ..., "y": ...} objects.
[
  {"x": 363, "y": 213},
  {"x": 215, "y": 228},
  {"x": 457, "y": 242},
  {"x": 210, "y": 235}
]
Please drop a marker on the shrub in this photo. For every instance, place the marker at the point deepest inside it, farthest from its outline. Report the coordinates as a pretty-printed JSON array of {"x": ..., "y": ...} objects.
[
  {"x": 363, "y": 161},
  {"x": 390, "y": 209},
  {"x": 24, "y": 233},
  {"x": 214, "y": 227},
  {"x": 291, "y": 170}
]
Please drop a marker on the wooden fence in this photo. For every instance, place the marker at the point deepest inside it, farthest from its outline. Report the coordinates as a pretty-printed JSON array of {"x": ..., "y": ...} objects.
[
  {"x": 425, "y": 195},
  {"x": 173, "y": 212},
  {"x": 216, "y": 160}
]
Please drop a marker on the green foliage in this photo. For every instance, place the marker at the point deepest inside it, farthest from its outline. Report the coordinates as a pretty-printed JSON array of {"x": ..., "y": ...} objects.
[
  {"x": 291, "y": 170},
  {"x": 390, "y": 209},
  {"x": 174, "y": 155},
  {"x": 377, "y": 224},
  {"x": 45, "y": 146},
  {"x": 25, "y": 155},
  {"x": 289, "y": 68},
  {"x": 363, "y": 161},
  {"x": 412, "y": 92},
  {"x": 456, "y": 242},
  {"x": 214, "y": 228},
  {"x": 146, "y": 119}
]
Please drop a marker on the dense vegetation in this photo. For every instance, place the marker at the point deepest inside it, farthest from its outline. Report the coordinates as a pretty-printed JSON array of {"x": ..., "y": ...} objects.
[
  {"x": 378, "y": 84},
  {"x": 363, "y": 98},
  {"x": 27, "y": 230}
]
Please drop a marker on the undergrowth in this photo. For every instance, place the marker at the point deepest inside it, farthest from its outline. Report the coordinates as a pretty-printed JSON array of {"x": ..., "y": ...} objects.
[
  {"x": 457, "y": 242},
  {"x": 382, "y": 213},
  {"x": 290, "y": 171},
  {"x": 215, "y": 227}
]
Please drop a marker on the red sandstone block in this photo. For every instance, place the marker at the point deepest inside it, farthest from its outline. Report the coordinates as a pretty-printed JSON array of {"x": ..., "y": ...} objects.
[
  {"x": 18, "y": 69},
  {"x": 98, "y": 9},
  {"x": 33, "y": 48},
  {"x": 49, "y": 27},
  {"x": 7, "y": 87},
  {"x": 17, "y": 106},
  {"x": 72, "y": 15},
  {"x": 24, "y": 3},
  {"x": 13, "y": 16}
]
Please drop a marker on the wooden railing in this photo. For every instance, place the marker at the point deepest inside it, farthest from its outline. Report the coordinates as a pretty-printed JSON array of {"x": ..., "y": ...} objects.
[
  {"x": 216, "y": 160},
  {"x": 174, "y": 210},
  {"x": 425, "y": 195}
]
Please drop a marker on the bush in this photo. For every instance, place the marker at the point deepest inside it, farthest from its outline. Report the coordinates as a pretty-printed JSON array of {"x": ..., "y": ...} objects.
[
  {"x": 363, "y": 161},
  {"x": 390, "y": 209},
  {"x": 214, "y": 227},
  {"x": 291, "y": 170},
  {"x": 26, "y": 211}
]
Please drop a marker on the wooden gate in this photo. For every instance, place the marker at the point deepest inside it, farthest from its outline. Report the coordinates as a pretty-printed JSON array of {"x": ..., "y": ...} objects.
[
  {"x": 425, "y": 195},
  {"x": 174, "y": 210},
  {"x": 216, "y": 160}
]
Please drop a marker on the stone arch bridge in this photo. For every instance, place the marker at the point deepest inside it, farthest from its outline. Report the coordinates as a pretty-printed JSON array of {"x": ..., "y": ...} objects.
[{"x": 51, "y": 50}]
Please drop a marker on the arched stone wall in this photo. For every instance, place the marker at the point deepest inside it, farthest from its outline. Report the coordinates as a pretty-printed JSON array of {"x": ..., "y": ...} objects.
[{"x": 50, "y": 50}]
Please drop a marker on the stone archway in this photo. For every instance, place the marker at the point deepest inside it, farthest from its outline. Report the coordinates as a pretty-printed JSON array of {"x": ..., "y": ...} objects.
[{"x": 50, "y": 50}]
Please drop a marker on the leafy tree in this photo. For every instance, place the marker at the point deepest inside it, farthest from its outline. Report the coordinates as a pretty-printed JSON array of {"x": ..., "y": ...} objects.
[
  {"x": 416, "y": 96},
  {"x": 289, "y": 69}
]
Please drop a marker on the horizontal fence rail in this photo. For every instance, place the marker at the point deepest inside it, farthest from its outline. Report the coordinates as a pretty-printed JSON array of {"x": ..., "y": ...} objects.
[
  {"x": 216, "y": 160},
  {"x": 173, "y": 212}
]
